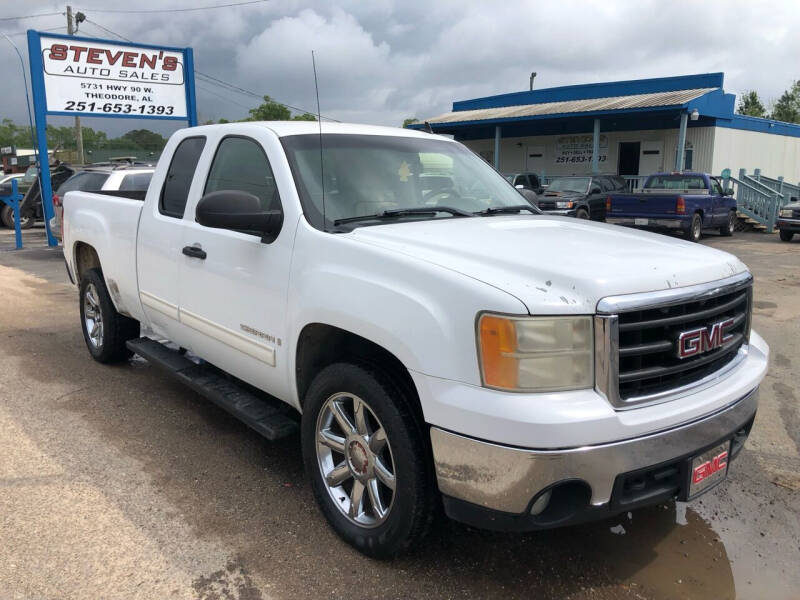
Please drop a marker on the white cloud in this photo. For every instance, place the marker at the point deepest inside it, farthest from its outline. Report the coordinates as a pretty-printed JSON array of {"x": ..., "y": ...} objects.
[{"x": 384, "y": 60}]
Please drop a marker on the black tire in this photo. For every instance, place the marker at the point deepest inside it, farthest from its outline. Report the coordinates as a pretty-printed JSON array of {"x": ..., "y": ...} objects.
[
  {"x": 582, "y": 213},
  {"x": 7, "y": 218},
  {"x": 786, "y": 236},
  {"x": 414, "y": 498},
  {"x": 108, "y": 343},
  {"x": 728, "y": 229},
  {"x": 694, "y": 232}
]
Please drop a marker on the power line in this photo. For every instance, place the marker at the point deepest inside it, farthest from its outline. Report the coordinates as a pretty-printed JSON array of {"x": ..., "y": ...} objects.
[
  {"x": 174, "y": 10},
  {"x": 26, "y": 33},
  {"x": 210, "y": 79},
  {"x": 50, "y": 14}
]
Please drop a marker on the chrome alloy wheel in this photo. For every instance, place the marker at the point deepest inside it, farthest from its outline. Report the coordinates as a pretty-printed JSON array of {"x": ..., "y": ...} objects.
[
  {"x": 92, "y": 317},
  {"x": 355, "y": 460}
]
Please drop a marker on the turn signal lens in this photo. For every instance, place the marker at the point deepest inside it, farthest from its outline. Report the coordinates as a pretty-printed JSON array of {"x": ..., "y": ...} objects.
[
  {"x": 680, "y": 207},
  {"x": 536, "y": 353},
  {"x": 56, "y": 200},
  {"x": 498, "y": 341},
  {"x": 608, "y": 204}
]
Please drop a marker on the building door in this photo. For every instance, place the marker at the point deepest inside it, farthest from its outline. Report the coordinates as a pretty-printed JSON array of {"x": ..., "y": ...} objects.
[
  {"x": 628, "y": 163},
  {"x": 534, "y": 160},
  {"x": 652, "y": 160}
]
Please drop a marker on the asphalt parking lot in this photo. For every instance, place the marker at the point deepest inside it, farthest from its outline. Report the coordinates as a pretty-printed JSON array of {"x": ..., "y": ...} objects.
[{"x": 116, "y": 482}]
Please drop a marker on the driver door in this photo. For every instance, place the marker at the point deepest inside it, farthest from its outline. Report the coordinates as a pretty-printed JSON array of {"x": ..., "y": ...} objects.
[{"x": 233, "y": 285}]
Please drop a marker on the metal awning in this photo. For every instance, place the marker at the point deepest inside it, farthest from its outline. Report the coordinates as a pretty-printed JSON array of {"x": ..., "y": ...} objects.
[{"x": 591, "y": 105}]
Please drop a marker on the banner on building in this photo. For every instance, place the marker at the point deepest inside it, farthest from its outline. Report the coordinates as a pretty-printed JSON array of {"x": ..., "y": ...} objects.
[{"x": 577, "y": 149}]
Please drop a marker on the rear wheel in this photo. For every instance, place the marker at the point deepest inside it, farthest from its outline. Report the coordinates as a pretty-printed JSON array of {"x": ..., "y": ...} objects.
[
  {"x": 366, "y": 456},
  {"x": 728, "y": 229},
  {"x": 695, "y": 229},
  {"x": 104, "y": 329},
  {"x": 7, "y": 218},
  {"x": 786, "y": 236},
  {"x": 582, "y": 213}
]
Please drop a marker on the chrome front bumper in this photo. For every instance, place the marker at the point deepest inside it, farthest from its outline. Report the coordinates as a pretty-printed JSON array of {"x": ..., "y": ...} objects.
[{"x": 506, "y": 479}]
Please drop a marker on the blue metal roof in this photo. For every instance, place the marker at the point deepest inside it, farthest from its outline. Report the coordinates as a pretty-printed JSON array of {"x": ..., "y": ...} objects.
[{"x": 623, "y": 105}]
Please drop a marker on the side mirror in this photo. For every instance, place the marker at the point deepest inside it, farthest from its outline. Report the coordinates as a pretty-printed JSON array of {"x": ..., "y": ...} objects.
[
  {"x": 239, "y": 211},
  {"x": 727, "y": 192},
  {"x": 539, "y": 190},
  {"x": 595, "y": 189}
]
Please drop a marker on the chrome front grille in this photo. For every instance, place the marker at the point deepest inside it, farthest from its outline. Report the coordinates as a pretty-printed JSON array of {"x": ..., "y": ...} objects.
[{"x": 638, "y": 336}]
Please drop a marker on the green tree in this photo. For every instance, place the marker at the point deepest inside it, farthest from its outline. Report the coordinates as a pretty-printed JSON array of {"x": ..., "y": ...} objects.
[
  {"x": 144, "y": 139},
  {"x": 409, "y": 121},
  {"x": 787, "y": 108},
  {"x": 750, "y": 104},
  {"x": 304, "y": 117},
  {"x": 269, "y": 110}
]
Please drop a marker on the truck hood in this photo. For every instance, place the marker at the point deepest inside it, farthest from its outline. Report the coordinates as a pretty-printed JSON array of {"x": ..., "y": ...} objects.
[{"x": 555, "y": 265}]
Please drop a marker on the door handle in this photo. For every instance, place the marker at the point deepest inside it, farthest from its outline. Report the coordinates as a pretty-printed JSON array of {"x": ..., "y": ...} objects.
[{"x": 194, "y": 252}]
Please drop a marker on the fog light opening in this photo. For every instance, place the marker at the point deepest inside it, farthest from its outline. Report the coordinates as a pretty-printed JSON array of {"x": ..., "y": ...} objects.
[{"x": 541, "y": 503}]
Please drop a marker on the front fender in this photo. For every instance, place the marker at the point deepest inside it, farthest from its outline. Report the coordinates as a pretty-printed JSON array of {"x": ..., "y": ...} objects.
[{"x": 422, "y": 313}]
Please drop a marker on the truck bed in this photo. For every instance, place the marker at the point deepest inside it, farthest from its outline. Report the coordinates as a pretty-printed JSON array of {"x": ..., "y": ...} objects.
[{"x": 109, "y": 222}]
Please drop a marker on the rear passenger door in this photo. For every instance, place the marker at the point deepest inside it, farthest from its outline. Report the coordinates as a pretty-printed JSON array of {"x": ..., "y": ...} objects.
[{"x": 160, "y": 239}]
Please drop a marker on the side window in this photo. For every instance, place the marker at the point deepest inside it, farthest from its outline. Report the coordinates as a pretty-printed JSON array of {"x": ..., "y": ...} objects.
[
  {"x": 606, "y": 184},
  {"x": 179, "y": 176},
  {"x": 240, "y": 164},
  {"x": 716, "y": 188},
  {"x": 135, "y": 182}
]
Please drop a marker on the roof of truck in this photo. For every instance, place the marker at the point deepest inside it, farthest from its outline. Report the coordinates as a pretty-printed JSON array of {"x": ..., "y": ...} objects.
[{"x": 286, "y": 128}]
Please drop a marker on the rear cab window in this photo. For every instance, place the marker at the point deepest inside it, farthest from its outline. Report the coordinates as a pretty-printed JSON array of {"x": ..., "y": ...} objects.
[
  {"x": 675, "y": 182},
  {"x": 179, "y": 177}
]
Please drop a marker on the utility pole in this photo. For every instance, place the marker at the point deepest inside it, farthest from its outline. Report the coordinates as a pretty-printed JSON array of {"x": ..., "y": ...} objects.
[{"x": 72, "y": 30}]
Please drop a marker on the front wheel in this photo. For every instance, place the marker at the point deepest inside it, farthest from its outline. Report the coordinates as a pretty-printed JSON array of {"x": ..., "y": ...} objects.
[
  {"x": 729, "y": 227},
  {"x": 695, "y": 229},
  {"x": 367, "y": 458},
  {"x": 786, "y": 236},
  {"x": 582, "y": 213},
  {"x": 104, "y": 329}
]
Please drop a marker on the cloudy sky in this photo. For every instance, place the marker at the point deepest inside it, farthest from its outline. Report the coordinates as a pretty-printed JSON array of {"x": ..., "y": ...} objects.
[{"x": 380, "y": 61}]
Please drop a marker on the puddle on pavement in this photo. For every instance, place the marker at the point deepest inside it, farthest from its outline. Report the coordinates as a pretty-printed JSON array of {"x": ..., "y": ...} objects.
[{"x": 667, "y": 551}]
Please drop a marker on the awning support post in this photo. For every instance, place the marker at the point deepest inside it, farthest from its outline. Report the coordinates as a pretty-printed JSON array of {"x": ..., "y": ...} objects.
[
  {"x": 497, "y": 147},
  {"x": 680, "y": 156},
  {"x": 596, "y": 148}
]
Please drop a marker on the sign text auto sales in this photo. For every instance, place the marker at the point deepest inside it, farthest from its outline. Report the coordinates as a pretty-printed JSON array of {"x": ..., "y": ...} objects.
[{"x": 101, "y": 78}]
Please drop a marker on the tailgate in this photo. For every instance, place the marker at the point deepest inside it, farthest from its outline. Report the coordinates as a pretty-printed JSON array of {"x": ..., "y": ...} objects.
[{"x": 643, "y": 205}]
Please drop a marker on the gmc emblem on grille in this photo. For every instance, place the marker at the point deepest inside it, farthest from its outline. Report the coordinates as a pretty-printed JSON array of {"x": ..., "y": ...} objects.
[{"x": 698, "y": 341}]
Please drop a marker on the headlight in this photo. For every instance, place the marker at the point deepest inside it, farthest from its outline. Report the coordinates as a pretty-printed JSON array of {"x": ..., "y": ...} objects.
[
  {"x": 565, "y": 204},
  {"x": 786, "y": 212},
  {"x": 536, "y": 354}
]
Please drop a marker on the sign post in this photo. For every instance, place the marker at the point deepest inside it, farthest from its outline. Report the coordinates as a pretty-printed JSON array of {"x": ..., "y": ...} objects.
[{"x": 103, "y": 78}]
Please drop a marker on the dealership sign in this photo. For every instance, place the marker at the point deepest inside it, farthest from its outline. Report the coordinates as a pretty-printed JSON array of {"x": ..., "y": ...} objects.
[
  {"x": 578, "y": 149},
  {"x": 79, "y": 76}
]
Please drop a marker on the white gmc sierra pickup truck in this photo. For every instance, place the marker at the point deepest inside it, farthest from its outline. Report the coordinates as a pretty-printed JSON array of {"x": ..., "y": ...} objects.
[{"x": 435, "y": 339}]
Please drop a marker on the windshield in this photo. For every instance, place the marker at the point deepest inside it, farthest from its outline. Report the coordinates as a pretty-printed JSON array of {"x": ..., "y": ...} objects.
[
  {"x": 675, "y": 182},
  {"x": 369, "y": 174},
  {"x": 570, "y": 184}
]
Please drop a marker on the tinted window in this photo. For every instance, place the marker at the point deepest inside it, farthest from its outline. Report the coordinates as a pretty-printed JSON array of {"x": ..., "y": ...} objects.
[
  {"x": 135, "y": 182},
  {"x": 675, "y": 182},
  {"x": 240, "y": 164},
  {"x": 716, "y": 188},
  {"x": 85, "y": 181},
  {"x": 605, "y": 184},
  {"x": 179, "y": 176}
]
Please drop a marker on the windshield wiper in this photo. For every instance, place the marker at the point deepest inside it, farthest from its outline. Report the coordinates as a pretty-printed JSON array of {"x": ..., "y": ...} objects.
[
  {"x": 501, "y": 210},
  {"x": 393, "y": 213}
]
